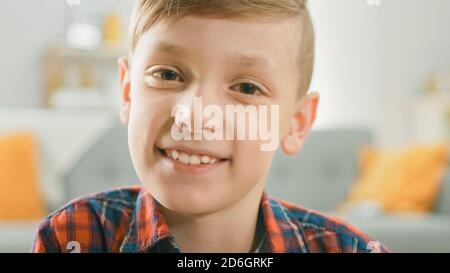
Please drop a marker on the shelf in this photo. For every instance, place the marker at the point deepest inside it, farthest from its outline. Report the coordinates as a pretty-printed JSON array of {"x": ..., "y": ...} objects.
[{"x": 112, "y": 52}]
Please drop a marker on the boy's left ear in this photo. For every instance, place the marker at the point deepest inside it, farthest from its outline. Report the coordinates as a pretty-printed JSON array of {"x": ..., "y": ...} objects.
[
  {"x": 125, "y": 87},
  {"x": 301, "y": 123}
]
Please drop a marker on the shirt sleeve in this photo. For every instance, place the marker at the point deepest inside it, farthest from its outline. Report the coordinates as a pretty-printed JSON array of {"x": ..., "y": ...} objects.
[
  {"x": 45, "y": 241},
  {"x": 67, "y": 230},
  {"x": 354, "y": 241}
]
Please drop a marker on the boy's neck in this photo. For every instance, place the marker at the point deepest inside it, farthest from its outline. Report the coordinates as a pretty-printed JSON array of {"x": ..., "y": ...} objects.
[{"x": 230, "y": 230}]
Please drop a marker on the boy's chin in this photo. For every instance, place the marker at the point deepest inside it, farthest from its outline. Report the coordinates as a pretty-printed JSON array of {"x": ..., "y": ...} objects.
[{"x": 190, "y": 202}]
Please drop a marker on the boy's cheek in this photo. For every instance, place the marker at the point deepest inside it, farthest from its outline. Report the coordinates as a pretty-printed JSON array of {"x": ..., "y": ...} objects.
[
  {"x": 143, "y": 129},
  {"x": 249, "y": 162}
]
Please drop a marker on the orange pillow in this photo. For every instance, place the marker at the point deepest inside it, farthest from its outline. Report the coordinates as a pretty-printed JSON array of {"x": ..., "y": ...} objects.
[
  {"x": 399, "y": 181},
  {"x": 20, "y": 198}
]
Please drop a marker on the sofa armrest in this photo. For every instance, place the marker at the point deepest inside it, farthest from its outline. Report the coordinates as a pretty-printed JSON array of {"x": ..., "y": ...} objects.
[
  {"x": 17, "y": 236},
  {"x": 443, "y": 202}
]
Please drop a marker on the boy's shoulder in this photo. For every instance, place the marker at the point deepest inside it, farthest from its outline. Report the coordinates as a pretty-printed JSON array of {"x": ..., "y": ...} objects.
[
  {"x": 120, "y": 198},
  {"x": 323, "y": 233},
  {"x": 98, "y": 222}
]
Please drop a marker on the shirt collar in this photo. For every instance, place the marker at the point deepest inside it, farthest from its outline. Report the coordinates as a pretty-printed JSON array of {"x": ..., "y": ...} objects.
[
  {"x": 284, "y": 231},
  {"x": 148, "y": 227}
]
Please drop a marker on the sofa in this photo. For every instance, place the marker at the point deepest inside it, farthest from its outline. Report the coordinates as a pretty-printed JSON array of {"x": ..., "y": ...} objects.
[
  {"x": 63, "y": 137},
  {"x": 321, "y": 176},
  {"x": 318, "y": 178}
]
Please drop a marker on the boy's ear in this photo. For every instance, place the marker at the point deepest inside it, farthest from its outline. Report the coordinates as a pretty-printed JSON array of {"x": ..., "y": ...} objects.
[
  {"x": 301, "y": 124},
  {"x": 125, "y": 87}
]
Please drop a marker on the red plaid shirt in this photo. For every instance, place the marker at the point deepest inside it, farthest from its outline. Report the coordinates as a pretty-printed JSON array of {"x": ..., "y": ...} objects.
[{"x": 126, "y": 220}]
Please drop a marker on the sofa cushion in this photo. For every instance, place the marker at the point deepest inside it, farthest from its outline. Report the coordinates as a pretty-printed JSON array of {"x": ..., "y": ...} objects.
[
  {"x": 401, "y": 180},
  {"x": 20, "y": 197},
  {"x": 62, "y": 135}
]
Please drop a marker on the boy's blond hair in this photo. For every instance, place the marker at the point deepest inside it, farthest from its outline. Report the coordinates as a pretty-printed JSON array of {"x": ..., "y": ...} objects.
[{"x": 148, "y": 12}]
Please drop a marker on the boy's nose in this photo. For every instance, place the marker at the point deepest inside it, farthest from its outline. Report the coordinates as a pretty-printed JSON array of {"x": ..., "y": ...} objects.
[
  {"x": 191, "y": 107},
  {"x": 192, "y": 119}
]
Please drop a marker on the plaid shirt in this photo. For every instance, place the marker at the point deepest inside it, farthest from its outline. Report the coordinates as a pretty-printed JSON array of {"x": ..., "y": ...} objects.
[{"x": 127, "y": 220}]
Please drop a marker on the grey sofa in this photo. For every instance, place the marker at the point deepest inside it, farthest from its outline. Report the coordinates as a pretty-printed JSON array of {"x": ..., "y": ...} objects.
[{"x": 321, "y": 175}]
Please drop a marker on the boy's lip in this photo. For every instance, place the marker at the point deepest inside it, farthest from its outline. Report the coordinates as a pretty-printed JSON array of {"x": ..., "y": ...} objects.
[
  {"x": 193, "y": 151},
  {"x": 190, "y": 168}
]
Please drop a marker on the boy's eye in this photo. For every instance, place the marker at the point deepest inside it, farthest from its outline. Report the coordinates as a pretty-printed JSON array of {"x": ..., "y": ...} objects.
[
  {"x": 167, "y": 75},
  {"x": 247, "y": 88}
]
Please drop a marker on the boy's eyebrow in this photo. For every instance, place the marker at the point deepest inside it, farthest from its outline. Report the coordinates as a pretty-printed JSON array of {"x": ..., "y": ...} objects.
[
  {"x": 245, "y": 60},
  {"x": 252, "y": 60},
  {"x": 170, "y": 48}
]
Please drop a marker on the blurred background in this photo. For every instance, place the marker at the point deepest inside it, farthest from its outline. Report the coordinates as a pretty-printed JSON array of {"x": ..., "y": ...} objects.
[{"x": 378, "y": 156}]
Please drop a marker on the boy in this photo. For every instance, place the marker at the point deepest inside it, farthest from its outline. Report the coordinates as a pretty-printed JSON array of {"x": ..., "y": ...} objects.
[{"x": 204, "y": 194}]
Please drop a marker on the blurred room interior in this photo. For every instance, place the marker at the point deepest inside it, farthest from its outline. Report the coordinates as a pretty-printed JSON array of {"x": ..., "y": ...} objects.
[{"x": 378, "y": 156}]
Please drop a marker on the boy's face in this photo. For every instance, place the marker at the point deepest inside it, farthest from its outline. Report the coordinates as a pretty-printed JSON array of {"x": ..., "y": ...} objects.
[{"x": 225, "y": 62}]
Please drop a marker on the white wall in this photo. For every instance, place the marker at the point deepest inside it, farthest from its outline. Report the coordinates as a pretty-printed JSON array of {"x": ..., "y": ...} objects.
[
  {"x": 373, "y": 60},
  {"x": 26, "y": 27},
  {"x": 347, "y": 71},
  {"x": 415, "y": 42}
]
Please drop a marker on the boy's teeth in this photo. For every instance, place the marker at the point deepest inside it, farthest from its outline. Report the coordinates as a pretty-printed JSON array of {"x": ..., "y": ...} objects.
[
  {"x": 205, "y": 159},
  {"x": 190, "y": 159},
  {"x": 184, "y": 158},
  {"x": 174, "y": 154},
  {"x": 194, "y": 160}
]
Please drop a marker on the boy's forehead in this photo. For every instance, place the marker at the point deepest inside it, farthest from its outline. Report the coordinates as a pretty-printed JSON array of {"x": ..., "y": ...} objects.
[
  {"x": 243, "y": 59},
  {"x": 247, "y": 43}
]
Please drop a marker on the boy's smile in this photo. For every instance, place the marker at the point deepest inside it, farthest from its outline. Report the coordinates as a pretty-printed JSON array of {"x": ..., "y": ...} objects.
[{"x": 192, "y": 160}]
